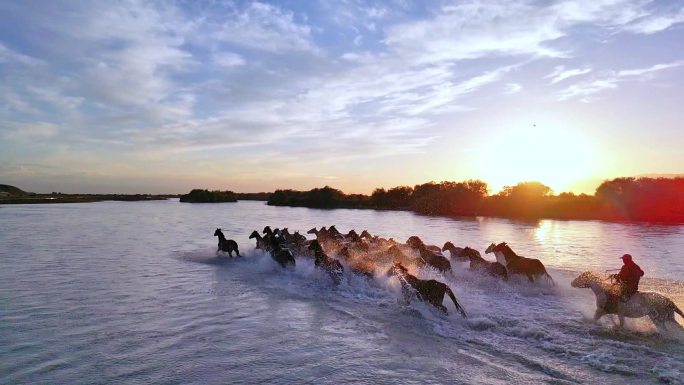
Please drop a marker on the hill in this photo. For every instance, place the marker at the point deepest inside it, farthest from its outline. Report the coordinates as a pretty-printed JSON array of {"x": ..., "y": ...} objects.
[{"x": 6, "y": 189}]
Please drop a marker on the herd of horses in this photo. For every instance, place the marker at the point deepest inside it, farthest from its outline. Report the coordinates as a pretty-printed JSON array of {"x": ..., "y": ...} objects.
[{"x": 365, "y": 254}]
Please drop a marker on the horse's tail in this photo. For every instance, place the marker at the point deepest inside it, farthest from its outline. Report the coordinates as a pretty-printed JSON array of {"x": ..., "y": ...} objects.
[
  {"x": 549, "y": 279},
  {"x": 453, "y": 298},
  {"x": 677, "y": 310}
]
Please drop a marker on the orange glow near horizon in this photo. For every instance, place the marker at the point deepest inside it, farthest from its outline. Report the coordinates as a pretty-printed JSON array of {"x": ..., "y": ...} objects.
[{"x": 557, "y": 158}]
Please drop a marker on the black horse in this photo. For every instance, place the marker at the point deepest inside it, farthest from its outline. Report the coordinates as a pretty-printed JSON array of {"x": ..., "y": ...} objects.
[
  {"x": 331, "y": 265},
  {"x": 226, "y": 245},
  {"x": 282, "y": 256},
  {"x": 430, "y": 291},
  {"x": 516, "y": 264},
  {"x": 260, "y": 242}
]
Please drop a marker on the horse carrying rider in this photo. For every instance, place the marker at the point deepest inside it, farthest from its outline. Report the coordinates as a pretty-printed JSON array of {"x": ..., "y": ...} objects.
[{"x": 628, "y": 277}]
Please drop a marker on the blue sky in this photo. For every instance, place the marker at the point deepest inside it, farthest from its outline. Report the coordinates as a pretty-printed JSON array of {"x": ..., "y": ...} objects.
[{"x": 138, "y": 96}]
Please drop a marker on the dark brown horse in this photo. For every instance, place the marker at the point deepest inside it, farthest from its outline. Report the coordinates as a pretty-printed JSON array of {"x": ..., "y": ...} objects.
[
  {"x": 331, "y": 265},
  {"x": 429, "y": 291},
  {"x": 433, "y": 259},
  {"x": 226, "y": 245},
  {"x": 415, "y": 242},
  {"x": 454, "y": 251},
  {"x": 516, "y": 264}
]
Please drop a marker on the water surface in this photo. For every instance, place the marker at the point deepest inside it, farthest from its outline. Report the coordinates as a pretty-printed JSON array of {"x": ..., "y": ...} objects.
[{"x": 132, "y": 292}]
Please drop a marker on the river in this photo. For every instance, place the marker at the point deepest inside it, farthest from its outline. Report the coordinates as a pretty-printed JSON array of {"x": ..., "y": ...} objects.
[{"x": 132, "y": 292}]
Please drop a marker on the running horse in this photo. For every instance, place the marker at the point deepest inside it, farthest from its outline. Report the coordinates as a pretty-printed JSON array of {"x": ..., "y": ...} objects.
[
  {"x": 516, "y": 264},
  {"x": 660, "y": 309},
  {"x": 226, "y": 245},
  {"x": 260, "y": 241},
  {"x": 331, "y": 265},
  {"x": 430, "y": 291},
  {"x": 478, "y": 263}
]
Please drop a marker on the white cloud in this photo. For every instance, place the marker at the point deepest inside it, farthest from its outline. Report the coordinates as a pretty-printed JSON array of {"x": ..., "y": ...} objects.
[
  {"x": 649, "y": 70},
  {"x": 9, "y": 56},
  {"x": 560, "y": 73},
  {"x": 512, "y": 88},
  {"x": 262, "y": 26},
  {"x": 656, "y": 23},
  {"x": 612, "y": 79},
  {"x": 229, "y": 59}
]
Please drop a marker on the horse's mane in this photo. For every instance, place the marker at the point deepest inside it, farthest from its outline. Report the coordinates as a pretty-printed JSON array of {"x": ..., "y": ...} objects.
[
  {"x": 472, "y": 253},
  {"x": 506, "y": 249},
  {"x": 600, "y": 279}
]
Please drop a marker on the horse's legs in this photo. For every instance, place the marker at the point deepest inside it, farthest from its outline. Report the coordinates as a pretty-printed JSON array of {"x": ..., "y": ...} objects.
[{"x": 622, "y": 321}]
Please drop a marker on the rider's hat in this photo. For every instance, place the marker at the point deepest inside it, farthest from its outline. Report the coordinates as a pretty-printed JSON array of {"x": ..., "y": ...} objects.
[{"x": 626, "y": 257}]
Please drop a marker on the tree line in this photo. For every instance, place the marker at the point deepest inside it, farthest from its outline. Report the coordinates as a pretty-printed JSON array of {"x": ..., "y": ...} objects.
[{"x": 620, "y": 199}]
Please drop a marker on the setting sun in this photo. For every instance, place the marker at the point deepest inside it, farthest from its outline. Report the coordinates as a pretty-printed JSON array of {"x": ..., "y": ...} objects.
[{"x": 556, "y": 157}]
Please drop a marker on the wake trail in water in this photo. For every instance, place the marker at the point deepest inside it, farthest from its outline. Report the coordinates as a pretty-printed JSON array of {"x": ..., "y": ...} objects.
[{"x": 530, "y": 331}]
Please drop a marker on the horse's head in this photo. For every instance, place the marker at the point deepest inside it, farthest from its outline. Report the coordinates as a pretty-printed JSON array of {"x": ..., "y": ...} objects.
[
  {"x": 267, "y": 230},
  {"x": 254, "y": 234},
  {"x": 415, "y": 243},
  {"x": 352, "y": 233},
  {"x": 312, "y": 231},
  {"x": 584, "y": 280},
  {"x": 365, "y": 234},
  {"x": 276, "y": 231},
  {"x": 504, "y": 254},
  {"x": 218, "y": 233},
  {"x": 332, "y": 229},
  {"x": 447, "y": 246}
]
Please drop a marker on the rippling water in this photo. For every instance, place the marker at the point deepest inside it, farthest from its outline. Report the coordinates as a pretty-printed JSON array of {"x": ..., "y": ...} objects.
[{"x": 132, "y": 292}]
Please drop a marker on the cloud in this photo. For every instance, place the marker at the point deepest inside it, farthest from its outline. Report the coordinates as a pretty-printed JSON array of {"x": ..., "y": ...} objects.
[
  {"x": 656, "y": 23},
  {"x": 26, "y": 132},
  {"x": 512, "y": 88},
  {"x": 612, "y": 79},
  {"x": 262, "y": 26},
  {"x": 9, "y": 56},
  {"x": 229, "y": 59},
  {"x": 560, "y": 73},
  {"x": 640, "y": 72}
]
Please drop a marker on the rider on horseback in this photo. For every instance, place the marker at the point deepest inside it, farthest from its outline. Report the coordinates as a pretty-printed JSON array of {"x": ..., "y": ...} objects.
[
  {"x": 626, "y": 283},
  {"x": 629, "y": 277}
]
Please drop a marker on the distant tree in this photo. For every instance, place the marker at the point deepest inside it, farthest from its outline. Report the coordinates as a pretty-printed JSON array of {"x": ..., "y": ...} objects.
[{"x": 206, "y": 196}]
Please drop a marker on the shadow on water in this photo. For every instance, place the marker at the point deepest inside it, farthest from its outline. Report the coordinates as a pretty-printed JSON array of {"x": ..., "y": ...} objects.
[{"x": 208, "y": 258}]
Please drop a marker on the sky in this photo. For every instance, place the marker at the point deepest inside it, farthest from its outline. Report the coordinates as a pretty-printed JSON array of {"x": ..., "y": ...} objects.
[{"x": 166, "y": 96}]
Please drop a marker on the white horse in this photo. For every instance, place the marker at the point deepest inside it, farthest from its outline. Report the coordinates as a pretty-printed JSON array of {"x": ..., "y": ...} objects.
[{"x": 657, "y": 307}]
